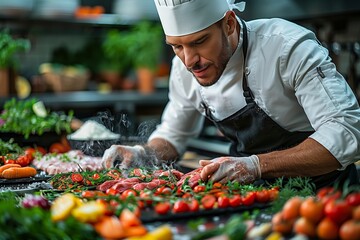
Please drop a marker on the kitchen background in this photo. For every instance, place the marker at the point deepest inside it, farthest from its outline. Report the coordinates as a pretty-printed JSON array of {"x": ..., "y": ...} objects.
[{"x": 71, "y": 39}]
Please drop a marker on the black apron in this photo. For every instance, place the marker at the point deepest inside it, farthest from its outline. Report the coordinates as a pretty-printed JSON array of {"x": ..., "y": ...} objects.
[{"x": 252, "y": 131}]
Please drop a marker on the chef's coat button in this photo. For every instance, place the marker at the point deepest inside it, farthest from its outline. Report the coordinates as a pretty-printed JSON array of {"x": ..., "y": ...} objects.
[{"x": 247, "y": 71}]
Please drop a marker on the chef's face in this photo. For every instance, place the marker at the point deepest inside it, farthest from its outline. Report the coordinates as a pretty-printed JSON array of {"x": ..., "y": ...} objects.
[{"x": 205, "y": 53}]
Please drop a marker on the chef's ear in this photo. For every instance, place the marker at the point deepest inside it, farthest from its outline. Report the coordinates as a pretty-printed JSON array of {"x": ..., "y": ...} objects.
[{"x": 230, "y": 22}]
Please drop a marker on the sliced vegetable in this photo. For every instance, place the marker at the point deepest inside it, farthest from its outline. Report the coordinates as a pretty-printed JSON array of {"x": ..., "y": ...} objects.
[
  {"x": 89, "y": 212},
  {"x": 63, "y": 205}
]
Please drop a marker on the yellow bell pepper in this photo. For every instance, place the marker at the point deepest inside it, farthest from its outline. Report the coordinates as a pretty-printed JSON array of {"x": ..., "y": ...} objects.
[
  {"x": 63, "y": 205},
  {"x": 89, "y": 212}
]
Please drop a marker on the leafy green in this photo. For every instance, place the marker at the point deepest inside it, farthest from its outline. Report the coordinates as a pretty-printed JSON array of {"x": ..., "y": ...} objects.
[
  {"x": 9, "y": 47},
  {"x": 9, "y": 147},
  {"x": 35, "y": 223},
  {"x": 18, "y": 117}
]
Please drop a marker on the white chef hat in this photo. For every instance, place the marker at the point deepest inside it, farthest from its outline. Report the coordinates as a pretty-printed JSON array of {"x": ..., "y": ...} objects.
[{"x": 182, "y": 17}]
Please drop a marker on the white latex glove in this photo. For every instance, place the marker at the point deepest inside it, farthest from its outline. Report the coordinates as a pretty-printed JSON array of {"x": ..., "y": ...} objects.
[
  {"x": 223, "y": 169},
  {"x": 125, "y": 154}
]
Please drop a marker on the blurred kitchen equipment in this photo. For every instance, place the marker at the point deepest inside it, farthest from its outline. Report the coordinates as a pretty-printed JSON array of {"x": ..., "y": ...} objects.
[
  {"x": 133, "y": 10},
  {"x": 55, "y": 8},
  {"x": 16, "y": 7}
]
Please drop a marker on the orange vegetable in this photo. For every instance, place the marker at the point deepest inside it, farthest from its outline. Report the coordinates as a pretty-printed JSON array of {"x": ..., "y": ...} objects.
[
  {"x": 19, "y": 172},
  {"x": 7, "y": 166},
  {"x": 129, "y": 219},
  {"x": 135, "y": 231},
  {"x": 110, "y": 227}
]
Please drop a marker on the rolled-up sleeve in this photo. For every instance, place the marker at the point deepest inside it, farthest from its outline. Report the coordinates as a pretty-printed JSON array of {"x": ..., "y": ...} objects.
[{"x": 327, "y": 99}]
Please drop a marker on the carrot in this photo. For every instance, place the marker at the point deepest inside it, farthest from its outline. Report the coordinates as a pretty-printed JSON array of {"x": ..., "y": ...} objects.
[
  {"x": 19, "y": 172},
  {"x": 7, "y": 166}
]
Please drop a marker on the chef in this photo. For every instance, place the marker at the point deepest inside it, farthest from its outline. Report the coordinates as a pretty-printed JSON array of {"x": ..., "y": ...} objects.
[{"x": 268, "y": 85}]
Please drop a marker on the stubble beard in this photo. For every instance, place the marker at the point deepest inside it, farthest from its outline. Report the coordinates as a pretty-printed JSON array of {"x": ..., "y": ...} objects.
[{"x": 224, "y": 58}]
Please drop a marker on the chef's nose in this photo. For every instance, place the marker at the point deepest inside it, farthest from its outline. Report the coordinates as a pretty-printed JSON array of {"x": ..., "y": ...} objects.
[{"x": 191, "y": 57}]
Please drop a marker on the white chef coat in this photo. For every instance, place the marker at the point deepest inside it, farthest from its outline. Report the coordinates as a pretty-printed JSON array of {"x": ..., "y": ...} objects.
[{"x": 281, "y": 65}]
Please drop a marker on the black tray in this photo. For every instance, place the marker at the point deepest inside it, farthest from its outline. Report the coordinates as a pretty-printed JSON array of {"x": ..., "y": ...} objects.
[
  {"x": 149, "y": 215},
  {"x": 24, "y": 180},
  {"x": 44, "y": 140}
]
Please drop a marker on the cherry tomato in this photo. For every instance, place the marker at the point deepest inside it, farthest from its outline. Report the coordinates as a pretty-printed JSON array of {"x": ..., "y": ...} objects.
[
  {"x": 327, "y": 229},
  {"x": 96, "y": 176},
  {"x": 163, "y": 190},
  {"x": 312, "y": 209},
  {"x": 199, "y": 188},
  {"x": 41, "y": 150},
  {"x": 180, "y": 206},
  {"x": 194, "y": 205},
  {"x": 350, "y": 230},
  {"x": 223, "y": 202},
  {"x": 111, "y": 191},
  {"x": 127, "y": 193},
  {"x": 88, "y": 194},
  {"x": 353, "y": 199},
  {"x": 77, "y": 178},
  {"x": 273, "y": 194},
  {"x": 208, "y": 201},
  {"x": 262, "y": 196},
  {"x": 338, "y": 211},
  {"x": 10, "y": 161},
  {"x": 305, "y": 227},
  {"x": 162, "y": 208},
  {"x": 23, "y": 160},
  {"x": 30, "y": 152},
  {"x": 291, "y": 208},
  {"x": 327, "y": 194},
  {"x": 57, "y": 148},
  {"x": 146, "y": 198},
  {"x": 249, "y": 198},
  {"x": 235, "y": 200}
]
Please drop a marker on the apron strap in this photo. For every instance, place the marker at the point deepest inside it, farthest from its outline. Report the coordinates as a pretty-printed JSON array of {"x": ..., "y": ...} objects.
[{"x": 249, "y": 97}]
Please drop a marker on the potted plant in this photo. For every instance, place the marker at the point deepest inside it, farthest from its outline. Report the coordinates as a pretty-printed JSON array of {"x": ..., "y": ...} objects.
[
  {"x": 145, "y": 46},
  {"x": 8, "y": 48},
  {"x": 115, "y": 62}
]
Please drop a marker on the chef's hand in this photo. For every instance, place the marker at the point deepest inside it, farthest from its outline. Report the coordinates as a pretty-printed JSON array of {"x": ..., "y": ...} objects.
[
  {"x": 124, "y": 155},
  {"x": 223, "y": 169}
]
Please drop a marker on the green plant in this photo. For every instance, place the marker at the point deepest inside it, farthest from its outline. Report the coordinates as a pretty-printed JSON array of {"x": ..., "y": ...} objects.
[
  {"x": 9, "y": 47},
  {"x": 115, "y": 50},
  {"x": 146, "y": 44}
]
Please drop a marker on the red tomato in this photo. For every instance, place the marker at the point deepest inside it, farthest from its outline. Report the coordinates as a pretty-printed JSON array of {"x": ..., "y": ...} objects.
[
  {"x": 180, "y": 206},
  {"x": 96, "y": 176},
  {"x": 338, "y": 211},
  {"x": 41, "y": 150},
  {"x": 30, "y": 152},
  {"x": 273, "y": 194},
  {"x": 235, "y": 200},
  {"x": 163, "y": 190},
  {"x": 208, "y": 201},
  {"x": 262, "y": 196},
  {"x": 88, "y": 194},
  {"x": 77, "y": 178},
  {"x": 23, "y": 160},
  {"x": 353, "y": 199},
  {"x": 327, "y": 194},
  {"x": 111, "y": 191},
  {"x": 249, "y": 198},
  {"x": 57, "y": 148},
  {"x": 350, "y": 230},
  {"x": 199, "y": 188},
  {"x": 223, "y": 202},
  {"x": 10, "y": 161},
  {"x": 162, "y": 208},
  {"x": 194, "y": 205},
  {"x": 127, "y": 193},
  {"x": 146, "y": 197}
]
